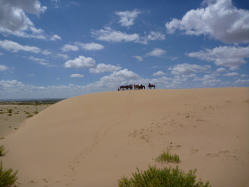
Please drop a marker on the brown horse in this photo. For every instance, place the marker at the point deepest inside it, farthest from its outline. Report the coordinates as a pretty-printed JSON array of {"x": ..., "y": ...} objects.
[
  {"x": 127, "y": 87},
  {"x": 152, "y": 86},
  {"x": 139, "y": 87}
]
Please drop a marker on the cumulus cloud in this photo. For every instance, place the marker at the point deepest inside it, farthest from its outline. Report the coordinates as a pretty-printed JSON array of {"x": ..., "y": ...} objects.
[
  {"x": 157, "y": 52},
  {"x": 102, "y": 68},
  {"x": 127, "y": 18},
  {"x": 55, "y": 37},
  {"x": 159, "y": 73},
  {"x": 3, "y": 68},
  {"x": 14, "y": 19},
  {"x": 231, "y": 74},
  {"x": 221, "y": 70},
  {"x": 15, "y": 47},
  {"x": 68, "y": 47},
  {"x": 156, "y": 36},
  {"x": 188, "y": 68},
  {"x": 76, "y": 75},
  {"x": 209, "y": 80},
  {"x": 90, "y": 46},
  {"x": 123, "y": 76},
  {"x": 85, "y": 46},
  {"x": 226, "y": 56},
  {"x": 114, "y": 80},
  {"x": 110, "y": 35},
  {"x": 139, "y": 58},
  {"x": 10, "y": 83},
  {"x": 220, "y": 19},
  {"x": 63, "y": 56},
  {"x": 80, "y": 62},
  {"x": 242, "y": 81},
  {"x": 41, "y": 61}
]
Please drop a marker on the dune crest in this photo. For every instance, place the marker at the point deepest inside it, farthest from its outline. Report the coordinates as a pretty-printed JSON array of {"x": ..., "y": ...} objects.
[{"x": 93, "y": 140}]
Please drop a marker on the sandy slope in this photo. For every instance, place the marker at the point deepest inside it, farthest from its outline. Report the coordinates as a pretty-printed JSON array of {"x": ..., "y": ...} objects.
[
  {"x": 12, "y": 116},
  {"x": 93, "y": 140}
]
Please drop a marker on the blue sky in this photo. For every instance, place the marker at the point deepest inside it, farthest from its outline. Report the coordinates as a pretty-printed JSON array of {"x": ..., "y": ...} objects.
[{"x": 63, "y": 48}]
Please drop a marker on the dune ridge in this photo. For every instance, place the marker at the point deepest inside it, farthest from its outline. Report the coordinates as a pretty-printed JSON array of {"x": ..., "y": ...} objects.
[{"x": 93, "y": 140}]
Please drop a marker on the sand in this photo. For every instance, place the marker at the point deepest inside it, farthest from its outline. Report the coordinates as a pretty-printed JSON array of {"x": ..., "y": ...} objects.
[
  {"x": 93, "y": 140},
  {"x": 12, "y": 116}
]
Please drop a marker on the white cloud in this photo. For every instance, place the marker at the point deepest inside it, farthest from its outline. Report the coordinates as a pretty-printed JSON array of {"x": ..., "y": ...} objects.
[
  {"x": 9, "y": 83},
  {"x": 113, "y": 81},
  {"x": 90, "y": 46},
  {"x": 56, "y": 3},
  {"x": 41, "y": 61},
  {"x": 151, "y": 37},
  {"x": 242, "y": 81},
  {"x": 157, "y": 52},
  {"x": 156, "y": 36},
  {"x": 14, "y": 20},
  {"x": 159, "y": 73},
  {"x": 102, "y": 68},
  {"x": 221, "y": 69},
  {"x": 209, "y": 80},
  {"x": 76, "y": 75},
  {"x": 63, "y": 56},
  {"x": 80, "y": 62},
  {"x": 231, "y": 74},
  {"x": 68, "y": 47},
  {"x": 3, "y": 68},
  {"x": 127, "y": 18},
  {"x": 15, "y": 47},
  {"x": 110, "y": 35},
  {"x": 188, "y": 68},
  {"x": 220, "y": 19},
  {"x": 139, "y": 58},
  {"x": 227, "y": 56},
  {"x": 118, "y": 78},
  {"x": 85, "y": 46},
  {"x": 55, "y": 37},
  {"x": 46, "y": 52}
]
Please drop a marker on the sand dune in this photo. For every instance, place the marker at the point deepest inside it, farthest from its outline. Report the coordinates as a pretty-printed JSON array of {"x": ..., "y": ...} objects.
[{"x": 93, "y": 140}]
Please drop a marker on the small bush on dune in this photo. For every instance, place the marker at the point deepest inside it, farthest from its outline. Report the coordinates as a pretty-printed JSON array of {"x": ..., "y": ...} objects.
[
  {"x": 168, "y": 157},
  {"x": 2, "y": 151},
  {"x": 166, "y": 177},
  {"x": 7, "y": 176}
]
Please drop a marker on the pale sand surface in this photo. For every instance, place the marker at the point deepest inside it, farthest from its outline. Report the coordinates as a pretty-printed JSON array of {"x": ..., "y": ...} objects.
[
  {"x": 12, "y": 116},
  {"x": 93, "y": 140}
]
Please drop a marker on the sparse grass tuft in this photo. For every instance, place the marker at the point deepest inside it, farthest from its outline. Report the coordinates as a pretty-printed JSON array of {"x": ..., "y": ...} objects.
[
  {"x": 168, "y": 157},
  {"x": 7, "y": 176},
  {"x": 2, "y": 151},
  {"x": 166, "y": 177}
]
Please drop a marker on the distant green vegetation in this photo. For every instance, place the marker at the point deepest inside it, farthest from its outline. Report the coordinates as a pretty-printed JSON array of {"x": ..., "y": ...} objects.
[
  {"x": 31, "y": 102},
  {"x": 166, "y": 177},
  {"x": 8, "y": 177},
  {"x": 168, "y": 157}
]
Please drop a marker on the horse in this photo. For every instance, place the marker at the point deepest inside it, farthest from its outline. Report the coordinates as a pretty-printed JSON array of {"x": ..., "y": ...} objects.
[
  {"x": 136, "y": 86},
  {"x": 152, "y": 86},
  {"x": 127, "y": 87}
]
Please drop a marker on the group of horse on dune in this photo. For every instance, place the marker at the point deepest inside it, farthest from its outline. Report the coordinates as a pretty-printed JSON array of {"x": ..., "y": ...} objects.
[{"x": 135, "y": 87}]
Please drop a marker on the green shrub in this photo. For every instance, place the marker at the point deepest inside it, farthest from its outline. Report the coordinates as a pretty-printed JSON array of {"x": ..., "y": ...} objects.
[
  {"x": 168, "y": 157},
  {"x": 2, "y": 151},
  {"x": 29, "y": 116},
  {"x": 166, "y": 177},
  {"x": 7, "y": 176}
]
